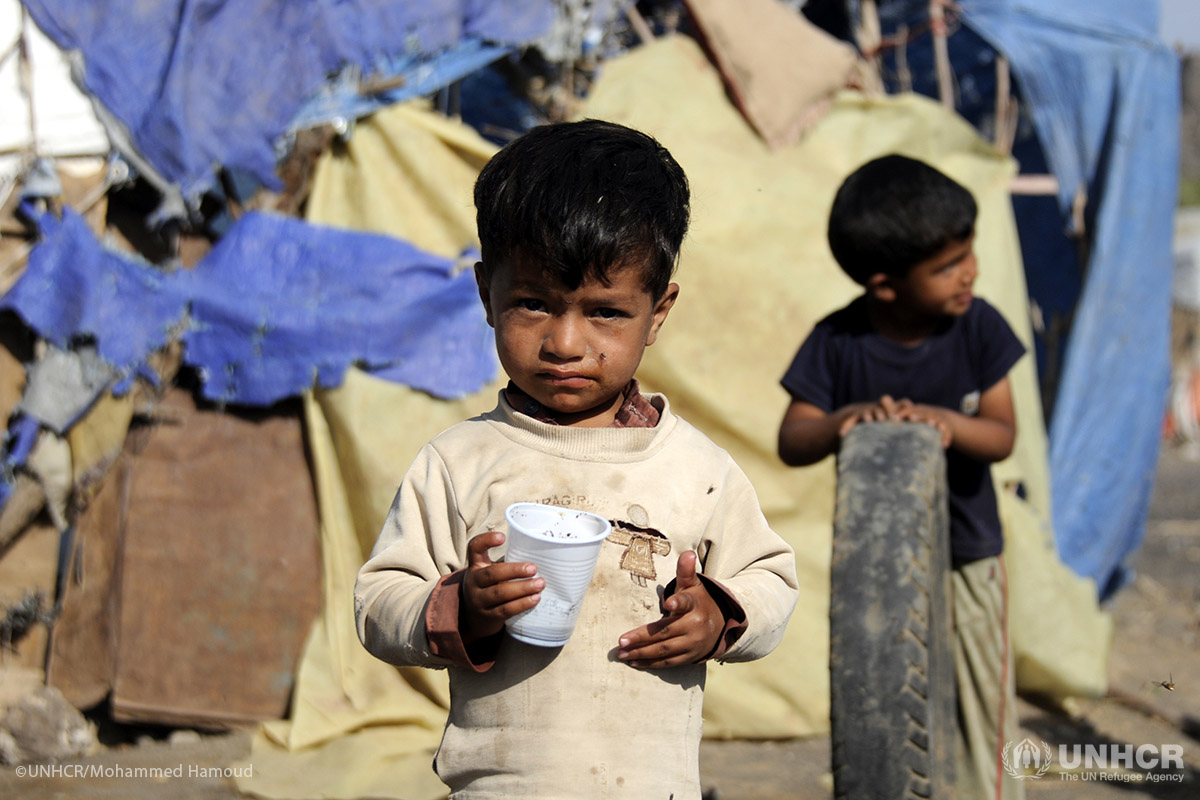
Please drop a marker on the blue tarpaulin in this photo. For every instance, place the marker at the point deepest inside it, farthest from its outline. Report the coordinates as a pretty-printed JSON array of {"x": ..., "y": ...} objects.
[
  {"x": 1103, "y": 93},
  {"x": 1105, "y": 97},
  {"x": 197, "y": 83},
  {"x": 277, "y": 307}
]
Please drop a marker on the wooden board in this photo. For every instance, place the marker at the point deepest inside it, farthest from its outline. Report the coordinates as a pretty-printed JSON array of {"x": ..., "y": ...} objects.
[
  {"x": 82, "y": 658},
  {"x": 220, "y": 566}
]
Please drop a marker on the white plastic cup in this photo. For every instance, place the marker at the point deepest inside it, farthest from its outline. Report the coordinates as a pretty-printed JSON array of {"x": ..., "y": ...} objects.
[{"x": 564, "y": 544}]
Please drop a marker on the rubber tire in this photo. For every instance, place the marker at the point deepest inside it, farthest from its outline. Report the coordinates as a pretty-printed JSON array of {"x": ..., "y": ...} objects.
[{"x": 892, "y": 692}]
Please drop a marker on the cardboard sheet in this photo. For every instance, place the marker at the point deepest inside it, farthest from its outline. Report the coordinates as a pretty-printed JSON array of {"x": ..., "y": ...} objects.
[{"x": 756, "y": 273}]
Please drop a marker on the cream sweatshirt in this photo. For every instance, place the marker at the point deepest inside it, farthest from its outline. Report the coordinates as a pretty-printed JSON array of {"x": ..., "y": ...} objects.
[{"x": 572, "y": 723}]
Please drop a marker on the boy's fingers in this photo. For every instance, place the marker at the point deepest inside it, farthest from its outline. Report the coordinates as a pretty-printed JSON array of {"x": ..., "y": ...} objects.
[
  {"x": 635, "y": 644},
  {"x": 850, "y": 422},
  {"x": 478, "y": 547},
  {"x": 650, "y": 633},
  {"x": 652, "y": 646},
  {"x": 502, "y": 572},
  {"x": 947, "y": 437},
  {"x": 680, "y": 603},
  {"x": 509, "y": 592},
  {"x": 669, "y": 627},
  {"x": 651, "y": 662},
  {"x": 518, "y": 604}
]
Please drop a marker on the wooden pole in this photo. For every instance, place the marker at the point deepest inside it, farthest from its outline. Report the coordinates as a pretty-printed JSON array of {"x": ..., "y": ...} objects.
[
  {"x": 639, "y": 24},
  {"x": 903, "y": 73},
  {"x": 25, "y": 74},
  {"x": 941, "y": 52},
  {"x": 870, "y": 38},
  {"x": 1034, "y": 185},
  {"x": 1006, "y": 107}
]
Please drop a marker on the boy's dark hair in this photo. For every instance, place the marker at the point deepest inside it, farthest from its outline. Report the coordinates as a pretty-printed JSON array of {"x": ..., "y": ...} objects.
[
  {"x": 582, "y": 198},
  {"x": 894, "y": 212}
]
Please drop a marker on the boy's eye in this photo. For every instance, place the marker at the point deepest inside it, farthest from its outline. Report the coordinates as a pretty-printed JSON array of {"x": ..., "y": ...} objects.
[
  {"x": 609, "y": 313},
  {"x": 531, "y": 304}
]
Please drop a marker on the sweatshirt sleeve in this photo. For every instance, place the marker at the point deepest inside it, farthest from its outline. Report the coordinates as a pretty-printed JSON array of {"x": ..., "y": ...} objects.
[
  {"x": 423, "y": 539},
  {"x": 753, "y": 564}
]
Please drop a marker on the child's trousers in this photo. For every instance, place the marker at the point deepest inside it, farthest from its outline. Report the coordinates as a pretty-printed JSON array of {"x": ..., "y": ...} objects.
[{"x": 987, "y": 713}]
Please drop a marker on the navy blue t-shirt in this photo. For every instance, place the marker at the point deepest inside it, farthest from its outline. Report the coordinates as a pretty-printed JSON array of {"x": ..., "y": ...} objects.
[{"x": 844, "y": 360}]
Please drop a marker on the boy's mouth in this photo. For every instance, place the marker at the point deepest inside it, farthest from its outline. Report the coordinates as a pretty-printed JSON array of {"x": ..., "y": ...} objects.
[{"x": 566, "y": 380}]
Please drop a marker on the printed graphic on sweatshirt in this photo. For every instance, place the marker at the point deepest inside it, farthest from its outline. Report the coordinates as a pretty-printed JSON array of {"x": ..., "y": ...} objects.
[{"x": 641, "y": 545}]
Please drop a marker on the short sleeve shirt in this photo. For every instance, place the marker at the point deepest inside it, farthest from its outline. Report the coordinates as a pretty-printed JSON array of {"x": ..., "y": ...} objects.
[{"x": 844, "y": 360}]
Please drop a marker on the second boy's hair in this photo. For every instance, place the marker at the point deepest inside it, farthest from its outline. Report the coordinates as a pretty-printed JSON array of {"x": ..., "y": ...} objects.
[
  {"x": 582, "y": 198},
  {"x": 895, "y": 212}
]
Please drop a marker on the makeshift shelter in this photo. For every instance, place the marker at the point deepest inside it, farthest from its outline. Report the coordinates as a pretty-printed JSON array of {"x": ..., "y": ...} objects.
[{"x": 387, "y": 220}]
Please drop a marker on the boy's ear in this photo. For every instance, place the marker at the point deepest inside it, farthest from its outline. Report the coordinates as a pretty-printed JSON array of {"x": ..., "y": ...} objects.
[
  {"x": 485, "y": 296},
  {"x": 661, "y": 309},
  {"x": 881, "y": 287}
]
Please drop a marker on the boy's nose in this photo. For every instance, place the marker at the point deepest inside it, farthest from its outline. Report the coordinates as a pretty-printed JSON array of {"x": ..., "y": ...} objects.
[
  {"x": 970, "y": 271},
  {"x": 564, "y": 339}
]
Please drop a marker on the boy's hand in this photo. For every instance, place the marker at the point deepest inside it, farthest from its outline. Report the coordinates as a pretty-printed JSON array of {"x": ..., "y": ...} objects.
[
  {"x": 930, "y": 415},
  {"x": 494, "y": 591},
  {"x": 686, "y": 634},
  {"x": 885, "y": 409},
  {"x": 902, "y": 410}
]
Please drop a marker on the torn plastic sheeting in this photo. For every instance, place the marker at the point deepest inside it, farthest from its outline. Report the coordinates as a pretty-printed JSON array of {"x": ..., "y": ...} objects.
[
  {"x": 19, "y": 440},
  {"x": 74, "y": 290},
  {"x": 199, "y": 83},
  {"x": 280, "y": 303},
  {"x": 277, "y": 305},
  {"x": 341, "y": 98},
  {"x": 1104, "y": 94},
  {"x": 63, "y": 385}
]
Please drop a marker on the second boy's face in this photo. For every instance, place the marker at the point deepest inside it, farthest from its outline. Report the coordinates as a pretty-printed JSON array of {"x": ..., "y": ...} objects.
[
  {"x": 572, "y": 350},
  {"x": 942, "y": 285}
]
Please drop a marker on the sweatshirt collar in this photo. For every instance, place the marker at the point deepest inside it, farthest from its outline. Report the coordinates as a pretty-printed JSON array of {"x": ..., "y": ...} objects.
[{"x": 635, "y": 412}]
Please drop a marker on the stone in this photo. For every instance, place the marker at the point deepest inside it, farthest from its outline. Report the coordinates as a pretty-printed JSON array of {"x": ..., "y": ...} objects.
[{"x": 44, "y": 727}]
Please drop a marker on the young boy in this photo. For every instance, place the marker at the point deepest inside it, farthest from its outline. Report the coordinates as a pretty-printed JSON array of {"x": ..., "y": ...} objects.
[
  {"x": 918, "y": 346},
  {"x": 580, "y": 226}
]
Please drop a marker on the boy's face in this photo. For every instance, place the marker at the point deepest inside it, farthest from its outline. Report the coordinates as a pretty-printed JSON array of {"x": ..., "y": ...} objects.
[
  {"x": 939, "y": 286},
  {"x": 572, "y": 350}
]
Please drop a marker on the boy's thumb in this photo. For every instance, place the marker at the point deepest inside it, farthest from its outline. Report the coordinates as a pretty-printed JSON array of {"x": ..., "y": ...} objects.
[{"x": 685, "y": 570}]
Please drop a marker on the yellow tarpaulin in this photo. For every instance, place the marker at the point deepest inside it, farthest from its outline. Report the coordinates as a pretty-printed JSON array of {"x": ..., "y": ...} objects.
[{"x": 755, "y": 274}]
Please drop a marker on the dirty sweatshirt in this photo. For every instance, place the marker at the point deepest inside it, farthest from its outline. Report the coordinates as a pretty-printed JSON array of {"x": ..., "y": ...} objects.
[{"x": 573, "y": 722}]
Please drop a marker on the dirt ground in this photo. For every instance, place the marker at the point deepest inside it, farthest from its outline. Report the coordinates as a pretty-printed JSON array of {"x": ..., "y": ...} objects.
[{"x": 1157, "y": 637}]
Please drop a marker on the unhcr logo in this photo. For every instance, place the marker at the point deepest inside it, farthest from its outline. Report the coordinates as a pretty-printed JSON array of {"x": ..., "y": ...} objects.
[
  {"x": 1025, "y": 759},
  {"x": 1122, "y": 756},
  {"x": 1104, "y": 762}
]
